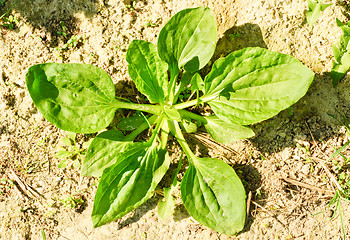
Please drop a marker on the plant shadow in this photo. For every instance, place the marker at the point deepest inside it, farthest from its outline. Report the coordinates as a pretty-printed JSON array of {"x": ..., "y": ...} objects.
[
  {"x": 55, "y": 18},
  {"x": 140, "y": 211},
  {"x": 236, "y": 38},
  {"x": 239, "y": 37}
]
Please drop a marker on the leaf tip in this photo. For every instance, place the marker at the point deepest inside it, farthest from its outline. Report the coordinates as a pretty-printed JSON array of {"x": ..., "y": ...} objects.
[{"x": 96, "y": 220}]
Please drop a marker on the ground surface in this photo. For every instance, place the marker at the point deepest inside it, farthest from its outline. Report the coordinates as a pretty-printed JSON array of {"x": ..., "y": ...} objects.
[{"x": 37, "y": 197}]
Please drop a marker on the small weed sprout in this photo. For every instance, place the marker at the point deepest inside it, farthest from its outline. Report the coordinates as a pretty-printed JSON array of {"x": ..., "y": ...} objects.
[
  {"x": 10, "y": 22},
  {"x": 73, "y": 42},
  {"x": 71, "y": 201},
  {"x": 315, "y": 7},
  {"x": 129, "y": 7},
  {"x": 63, "y": 32},
  {"x": 341, "y": 52},
  {"x": 71, "y": 151}
]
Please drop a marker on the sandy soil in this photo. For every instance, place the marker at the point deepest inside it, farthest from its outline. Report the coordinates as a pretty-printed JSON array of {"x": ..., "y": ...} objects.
[{"x": 284, "y": 167}]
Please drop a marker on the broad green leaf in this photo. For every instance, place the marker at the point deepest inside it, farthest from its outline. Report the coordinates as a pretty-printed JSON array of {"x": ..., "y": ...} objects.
[
  {"x": 74, "y": 97},
  {"x": 341, "y": 52},
  {"x": 131, "y": 123},
  {"x": 225, "y": 132},
  {"x": 188, "y": 126},
  {"x": 172, "y": 113},
  {"x": 188, "y": 39},
  {"x": 103, "y": 152},
  {"x": 197, "y": 83},
  {"x": 147, "y": 70},
  {"x": 128, "y": 183},
  {"x": 214, "y": 195},
  {"x": 314, "y": 10},
  {"x": 254, "y": 84},
  {"x": 165, "y": 208}
]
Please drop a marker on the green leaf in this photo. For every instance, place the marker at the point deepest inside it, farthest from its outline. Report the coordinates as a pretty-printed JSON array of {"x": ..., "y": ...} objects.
[
  {"x": 165, "y": 208},
  {"x": 67, "y": 141},
  {"x": 72, "y": 136},
  {"x": 63, "y": 154},
  {"x": 185, "y": 80},
  {"x": 225, "y": 132},
  {"x": 147, "y": 70},
  {"x": 63, "y": 163},
  {"x": 214, "y": 195},
  {"x": 128, "y": 183},
  {"x": 341, "y": 52},
  {"x": 74, "y": 97},
  {"x": 131, "y": 123},
  {"x": 103, "y": 152},
  {"x": 314, "y": 10},
  {"x": 188, "y": 39},
  {"x": 197, "y": 83},
  {"x": 87, "y": 143},
  {"x": 339, "y": 70},
  {"x": 188, "y": 126},
  {"x": 337, "y": 53},
  {"x": 254, "y": 84},
  {"x": 76, "y": 164},
  {"x": 172, "y": 113},
  {"x": 325, "y": 5}
]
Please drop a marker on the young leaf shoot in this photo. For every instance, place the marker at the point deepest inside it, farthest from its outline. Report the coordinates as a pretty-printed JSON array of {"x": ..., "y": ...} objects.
[
  {"x": 341, "y": 52},
  {"x": 315, "y": 7}
]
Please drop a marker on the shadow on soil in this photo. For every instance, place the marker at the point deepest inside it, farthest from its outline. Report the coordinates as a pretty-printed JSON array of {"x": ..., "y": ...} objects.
[
  {"x": 140, "y": 211},
  {"x": 52, "y": 16}
]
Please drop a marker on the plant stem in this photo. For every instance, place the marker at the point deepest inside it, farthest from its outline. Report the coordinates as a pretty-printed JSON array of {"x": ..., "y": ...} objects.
[
  {"x": 164, "y": 135},
  {"x": 159, "y": 125},
  {"x": 194, "y": 102},
  {"x": 174, "y": 73},
  {"x": 141, "y": 128},
  {"x": 176, "y": 131},
  {"x": 191, "y": 115},
  {"x": 153, "y": 109}
]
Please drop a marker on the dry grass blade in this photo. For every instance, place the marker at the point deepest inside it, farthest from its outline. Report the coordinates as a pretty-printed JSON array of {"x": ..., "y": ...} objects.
[
  {"x": 206, "y": 140},
  {"x": 322, "y": 162},
  {"x": 24, "y": 188},
  {"x": 305, "y": 185},
  {"x": 269, "y": 213}
]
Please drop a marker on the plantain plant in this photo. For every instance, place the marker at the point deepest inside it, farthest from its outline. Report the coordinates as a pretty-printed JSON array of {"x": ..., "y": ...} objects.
[{"x": 246, "y": 87}]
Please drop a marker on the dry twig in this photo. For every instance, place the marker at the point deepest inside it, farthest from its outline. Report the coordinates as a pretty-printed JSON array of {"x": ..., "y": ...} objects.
[
  {"x": 305, "y": 185},
  {"x": 24, "y": 188}
]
